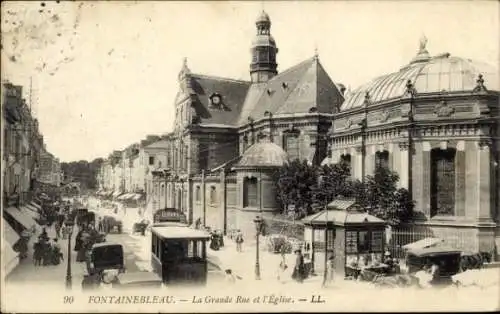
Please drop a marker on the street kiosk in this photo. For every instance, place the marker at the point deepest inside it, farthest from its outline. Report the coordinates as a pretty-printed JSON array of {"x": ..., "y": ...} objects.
[{"x": 354, "y": 238}]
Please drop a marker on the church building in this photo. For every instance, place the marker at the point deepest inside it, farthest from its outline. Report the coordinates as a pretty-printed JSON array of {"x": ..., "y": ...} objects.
[
  {"x": 434, "y": 122},
  {"x": 230, "y": 135}
]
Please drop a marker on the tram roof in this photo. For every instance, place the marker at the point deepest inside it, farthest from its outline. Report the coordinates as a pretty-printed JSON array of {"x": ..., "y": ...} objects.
[{"x": 178, "y": 232}]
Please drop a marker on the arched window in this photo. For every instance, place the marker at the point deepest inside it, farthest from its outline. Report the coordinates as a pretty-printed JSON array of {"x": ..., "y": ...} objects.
[
  {"x": 443, "y": 182},
  {"x": 250, "y": 192},
  {"x": 346, "y": 159},
  {"x": 198, "y": 194},
  {"x": 382, "y": 159},
  {"x": 291, "y": 145},
  {"x": 213, "y": 195}
]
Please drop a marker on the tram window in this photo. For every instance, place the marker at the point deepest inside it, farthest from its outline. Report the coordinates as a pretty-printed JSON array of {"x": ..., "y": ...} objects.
[
  {"x": 190, "y": 249},
  {"x": 153, "y": 245},
  {"x": 199, "y": 249}
]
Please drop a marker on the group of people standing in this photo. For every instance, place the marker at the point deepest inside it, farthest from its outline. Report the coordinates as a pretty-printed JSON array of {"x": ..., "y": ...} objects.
[
  {"x": 85, "y": 239},
  {"x": 46, "y": 251}
]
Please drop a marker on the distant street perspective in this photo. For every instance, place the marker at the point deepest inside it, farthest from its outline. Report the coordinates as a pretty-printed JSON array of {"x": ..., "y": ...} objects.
[{"x": 287, "y": 179}]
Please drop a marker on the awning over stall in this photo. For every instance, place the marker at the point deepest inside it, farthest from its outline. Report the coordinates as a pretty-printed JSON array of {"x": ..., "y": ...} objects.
[
  {"x": 9, "y": 234},
  {"x": 31, "y": 212},
  {"x": 137, "y": 196},
  {"x": 37, "y": 206},
  {"x": 116, "y": 193},
  {"x": 10, "y": 258},
  {"x": 21, "y": 216}
]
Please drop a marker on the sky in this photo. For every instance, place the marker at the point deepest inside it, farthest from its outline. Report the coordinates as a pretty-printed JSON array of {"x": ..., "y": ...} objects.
[{"x": 104, "y": 74}]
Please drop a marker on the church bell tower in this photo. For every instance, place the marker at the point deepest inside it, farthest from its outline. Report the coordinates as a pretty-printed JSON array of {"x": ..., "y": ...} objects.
[{"x": 263, "y": 66}]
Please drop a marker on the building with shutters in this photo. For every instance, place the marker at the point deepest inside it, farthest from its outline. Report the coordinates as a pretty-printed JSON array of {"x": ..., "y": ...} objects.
[{"x": 436, "y": 123}]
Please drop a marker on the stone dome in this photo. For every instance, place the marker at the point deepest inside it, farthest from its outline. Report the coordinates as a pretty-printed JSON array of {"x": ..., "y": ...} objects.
[
  {"x": 263, "y": 18},
  {"x": 428, "y": 75},
  {"x": 262, "y": 155}
]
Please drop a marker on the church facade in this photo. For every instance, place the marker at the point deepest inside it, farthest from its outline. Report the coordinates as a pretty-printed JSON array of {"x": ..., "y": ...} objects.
[
  {"x": 230, "y": 135},
  {"x": 434, "y": 122}
]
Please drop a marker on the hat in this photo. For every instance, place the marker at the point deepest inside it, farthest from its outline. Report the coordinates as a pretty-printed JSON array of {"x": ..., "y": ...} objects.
[{"x": 387, "y": 253}]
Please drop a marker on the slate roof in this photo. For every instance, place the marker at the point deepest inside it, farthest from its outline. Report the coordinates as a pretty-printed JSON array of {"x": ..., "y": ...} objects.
[
  {"x": 159, "y": 144},
  {"x": 233, "y": 94},
  {"x": 296, "y": 90}
]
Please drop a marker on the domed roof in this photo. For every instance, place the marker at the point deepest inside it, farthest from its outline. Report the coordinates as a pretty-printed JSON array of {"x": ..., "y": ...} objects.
[
  {"x": 264, "y": 154},
  {"x": 428, "y": 75},
  {"x": 263, "y": 18}
]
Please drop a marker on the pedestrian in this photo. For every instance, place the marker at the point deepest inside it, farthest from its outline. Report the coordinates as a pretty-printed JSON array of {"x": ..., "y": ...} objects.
[
  {"x": 57, "y": 255},
  {"x": 214, "y": 241},
  {"x": 220, "y": 236},
  {"x": 230, "y": 277},
  {"x": 299, "y": 270},
  {"x": 37, "y": 253},
  {"x": 281, "y": 270},
  {"x": 330, "y": 269},
  {"x": 58, "y": 229},
  {"x": 100, "y": 225},
  {"x": 239, "y": 241}
]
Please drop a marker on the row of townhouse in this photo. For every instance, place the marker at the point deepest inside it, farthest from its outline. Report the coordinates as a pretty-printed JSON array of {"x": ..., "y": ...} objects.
[
  {"x": 25, "y": 158},
  {"x": 129, "y": 171},
  {"x": 27, "y": 171}
]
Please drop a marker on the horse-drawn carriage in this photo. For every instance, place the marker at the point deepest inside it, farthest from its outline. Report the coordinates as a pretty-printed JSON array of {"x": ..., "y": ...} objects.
[{"x": 423, "y": 267}]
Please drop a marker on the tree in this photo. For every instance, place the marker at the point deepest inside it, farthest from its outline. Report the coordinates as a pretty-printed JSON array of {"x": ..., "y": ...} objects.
[
  {"x": 294, "y": 184},
  {"x": 82, "y": 171},
  {"x": 380, "y": 195},
  {"x": 332, "y": 183}
]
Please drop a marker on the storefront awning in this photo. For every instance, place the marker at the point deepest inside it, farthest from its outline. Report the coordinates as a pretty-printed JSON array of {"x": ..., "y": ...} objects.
[
  {"x": 30, "y": 212},
  {"x": 35, "y": 205},
  {"x": 10, "y": 259},
  {"x": 21, "y": 216},
  {"x": 116, "y": 193},
  {"x": 137, "y": 196},
  {"x": 31, "y": 207},
  {"x": 9, "y": 234},
  {"x": 122, "y": 197}
]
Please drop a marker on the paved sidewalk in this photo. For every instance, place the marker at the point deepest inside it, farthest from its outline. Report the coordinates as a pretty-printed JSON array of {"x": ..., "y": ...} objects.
[
  {"x": 27, "y": 272},
  {"x": 243, "y": 263}
]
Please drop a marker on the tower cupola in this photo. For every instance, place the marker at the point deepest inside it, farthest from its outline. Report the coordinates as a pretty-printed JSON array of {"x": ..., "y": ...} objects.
[{"x": 264, "y": 50}]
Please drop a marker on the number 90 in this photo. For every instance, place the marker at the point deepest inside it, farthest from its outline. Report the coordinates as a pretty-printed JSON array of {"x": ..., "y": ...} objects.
[{"x": 68, "y": 299}]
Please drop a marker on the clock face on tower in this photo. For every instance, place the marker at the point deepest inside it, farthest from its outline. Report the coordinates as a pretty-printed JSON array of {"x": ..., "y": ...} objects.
[{"x": 216, "y": 99}]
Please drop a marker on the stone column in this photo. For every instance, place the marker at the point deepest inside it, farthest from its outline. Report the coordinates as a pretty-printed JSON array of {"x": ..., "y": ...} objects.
[
  {"x": 460, "y": 176},
  {"x": 425, "y": 196},
  {"x": 403, "y": 164},
  {"x": 484, "y": 182},
  {"x": 203, "y": 198},
  {"x": 223, "y": 200},
  {"x": 471, "y": 195},
  {"x": 370, "y": 160},
  {"x": 357, "y": 160}
]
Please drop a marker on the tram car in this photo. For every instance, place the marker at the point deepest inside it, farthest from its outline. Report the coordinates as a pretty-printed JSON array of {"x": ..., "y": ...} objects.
[{"x": 179, "y": 254}]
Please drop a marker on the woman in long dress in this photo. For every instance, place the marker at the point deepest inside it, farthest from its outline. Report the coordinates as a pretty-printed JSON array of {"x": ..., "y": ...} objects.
[{"x": 299, "y": 270}]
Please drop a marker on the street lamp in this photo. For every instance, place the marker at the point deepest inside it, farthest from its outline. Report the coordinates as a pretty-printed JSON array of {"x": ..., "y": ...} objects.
[
  {"x": 258, "y": 228},
  {"x": 69, "y": 225}
]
